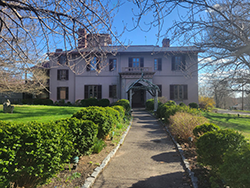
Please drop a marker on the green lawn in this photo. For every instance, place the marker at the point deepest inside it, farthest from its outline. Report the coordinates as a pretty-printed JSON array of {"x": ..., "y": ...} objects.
[
  {"x": 40, "y": 113},
  {"x": 241, "y": 124}
]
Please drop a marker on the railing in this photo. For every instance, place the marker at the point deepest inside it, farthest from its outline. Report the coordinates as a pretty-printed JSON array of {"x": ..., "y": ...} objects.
[{"x": 136, "y": 69}]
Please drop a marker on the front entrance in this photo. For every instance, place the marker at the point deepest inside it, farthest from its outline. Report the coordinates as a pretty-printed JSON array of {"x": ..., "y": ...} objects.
[{"x": 139, "y": 97}]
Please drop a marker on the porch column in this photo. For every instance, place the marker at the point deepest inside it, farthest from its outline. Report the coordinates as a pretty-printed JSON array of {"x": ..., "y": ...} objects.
[
  {"x": 130, "y": 98},
  {"x": 156, "y": 100}
]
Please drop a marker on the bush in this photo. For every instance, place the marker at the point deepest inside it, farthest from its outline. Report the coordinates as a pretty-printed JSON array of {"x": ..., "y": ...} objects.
[
  {"x": 42, "y": 102},
  {"x": 212, "y": 146},
  {"x": 99, "y": 116},
  {"x": 103, "y": 102},
  {"x": 98, "y": 146},
  {"x": 125, "y": 104},
  {"x": 91, "y": 102},
  {"x": 31, "y": 153},
  {"x": 121, "y": 110},
  {"x": 82, "y": 133},
  {"x": 182, "y": 125},
  {"x": 150, "y": 104},
  {"x": 206, "y": 127},
  {"x": 235, "y": 170},
  {"x": 193, "y": 105},
  {"x": 160, "y": 112},
  {"x": 114, "y": 116},
  {"x": 182, "y": 104},
  {"x": 206, "y": 102}
]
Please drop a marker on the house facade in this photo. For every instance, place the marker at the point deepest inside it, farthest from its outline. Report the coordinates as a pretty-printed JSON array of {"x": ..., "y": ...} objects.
[{"x": 173, "y": 69}]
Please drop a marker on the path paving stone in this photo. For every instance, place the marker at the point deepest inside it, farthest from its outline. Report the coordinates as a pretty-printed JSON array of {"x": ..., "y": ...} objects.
[{"x": 147, "y": 159}]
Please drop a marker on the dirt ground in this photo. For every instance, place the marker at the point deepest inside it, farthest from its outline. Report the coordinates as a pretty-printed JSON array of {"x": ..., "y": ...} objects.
[{"x": 74, "y": 178}]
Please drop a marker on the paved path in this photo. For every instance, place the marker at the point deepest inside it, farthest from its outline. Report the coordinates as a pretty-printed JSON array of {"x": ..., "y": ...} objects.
[{"x": 147, "y": 159}]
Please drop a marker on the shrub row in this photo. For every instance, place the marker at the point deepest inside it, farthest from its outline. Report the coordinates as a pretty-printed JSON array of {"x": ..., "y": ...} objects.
[
  {"x": 226, "y": 152},
  {"x": 125, "y": 104},
  {"x": 33, "y": 152}
]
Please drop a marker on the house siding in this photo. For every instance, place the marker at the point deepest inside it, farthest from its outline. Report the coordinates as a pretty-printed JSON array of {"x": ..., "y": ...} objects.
[{"x": 164, "y": 77}]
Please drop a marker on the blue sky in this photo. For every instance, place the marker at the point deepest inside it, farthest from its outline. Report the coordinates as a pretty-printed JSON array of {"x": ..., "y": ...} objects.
[{"x": 137, "y": 36}]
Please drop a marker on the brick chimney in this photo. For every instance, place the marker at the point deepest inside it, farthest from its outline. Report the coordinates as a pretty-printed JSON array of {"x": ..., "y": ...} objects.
[
  {"x": 82, "y": 39},
  {"x": 166, "y": 42}
]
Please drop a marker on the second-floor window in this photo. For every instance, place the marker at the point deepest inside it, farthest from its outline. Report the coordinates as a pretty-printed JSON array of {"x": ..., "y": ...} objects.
[
  {"x": 178, "y": 62},
  {"x": 112, "y": 64},
  {"x": 178, "y": 92},
  {"x": 62, "y": 74},
  {"x": 157, "y": 64},
  {"x": 136, "y": 62},
  {"x": 93, "y": 64}
]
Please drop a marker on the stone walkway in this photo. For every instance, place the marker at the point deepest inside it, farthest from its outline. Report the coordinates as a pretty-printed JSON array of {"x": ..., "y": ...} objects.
[{"x": 147, "y": 159}]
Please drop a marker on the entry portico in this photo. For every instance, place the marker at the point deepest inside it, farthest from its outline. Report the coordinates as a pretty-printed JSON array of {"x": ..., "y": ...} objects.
[{"x": 144, "y": 85}]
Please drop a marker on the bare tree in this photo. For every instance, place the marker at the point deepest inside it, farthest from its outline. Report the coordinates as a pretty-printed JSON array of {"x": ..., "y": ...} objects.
[
  {"x": 220, "y": 27},
  {"x": 30, "y": 29}
]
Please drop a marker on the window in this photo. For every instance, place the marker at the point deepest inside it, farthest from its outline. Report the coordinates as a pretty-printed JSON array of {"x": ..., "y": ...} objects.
[
  {"x": 62, "y": 74},
  {"x": 62, "y": 59},
  {"x": 62, "y": 93},
  {"x": 178, "y": 62},
  {"x": 136, "y": 62},
  {"x": 157, "y": 64},
  {"x": 94, "y": 91},
  {"x": 160, "y": 92},
  {"x": 112, "y": 91},
  {"x": 112, "y": 64},
  {"x": 178, "y": 92},
  {"x": 94, "y": 64}
]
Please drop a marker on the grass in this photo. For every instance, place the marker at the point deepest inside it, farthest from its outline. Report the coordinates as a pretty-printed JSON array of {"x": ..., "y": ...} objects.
[
  {"x": 40, "y": 113},
  {"x": 241, "y": 124}
]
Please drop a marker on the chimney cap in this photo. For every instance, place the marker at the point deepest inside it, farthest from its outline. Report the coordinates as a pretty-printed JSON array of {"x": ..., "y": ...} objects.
[
  {"x": 59, "y": 50},
  {"x": 166, "y": 42}
]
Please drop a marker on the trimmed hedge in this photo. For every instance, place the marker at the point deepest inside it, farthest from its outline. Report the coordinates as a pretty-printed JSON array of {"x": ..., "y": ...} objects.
[
  {"x": 99, "y": 116},
  {"x": 121, "y": 110},
  {"x": 193, "y": 105},
  {"x": 31, "y": 153},
  {"x": 42, "y": 102},
  {"x": 82, "y": 133},
  {"x": 212, "y": 146},
  {"x": 125, "y": 104},
  {"x": 103, "y": 102},
  {"x": 204, "y": 128}
]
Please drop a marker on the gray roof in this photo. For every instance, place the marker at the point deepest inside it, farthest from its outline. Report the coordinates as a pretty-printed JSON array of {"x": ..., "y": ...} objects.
[{"x": 139, "y": 49}]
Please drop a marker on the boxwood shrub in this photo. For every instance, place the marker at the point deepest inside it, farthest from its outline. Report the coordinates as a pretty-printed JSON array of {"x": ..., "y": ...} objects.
[
  {"x": 31, "y": 153},
  {"x": 103, "y": 102},
  {"x": 212, "y": 146},
  {"x": 121, "y": 110},
  {"x": 204, "y": 128},
  {"x": 193, "y": 105},
  {"x": 99, "y": 116},
  {"x": 82, "y": 133},
  {"x": 126, "y": 105}
]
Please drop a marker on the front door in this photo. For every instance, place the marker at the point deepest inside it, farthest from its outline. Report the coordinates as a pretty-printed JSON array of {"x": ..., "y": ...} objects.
[{"x": 138, "y": 99}]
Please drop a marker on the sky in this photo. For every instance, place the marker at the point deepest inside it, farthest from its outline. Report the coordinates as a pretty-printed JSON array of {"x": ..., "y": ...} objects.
[{"x": 138, "y": 36}]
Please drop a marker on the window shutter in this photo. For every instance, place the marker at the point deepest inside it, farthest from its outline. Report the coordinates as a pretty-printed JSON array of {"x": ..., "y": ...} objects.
[
  {"x": 130, "y": 61},
  {"x": 67, "y": 93},
  {"x": 160, "y": 92},
  {"x": 173, "y": 63},
  {"x": 185, "y": 97},
  {"x": 159, "y": 64},
  {"x": 171, "y": 92},
  {"x": 67, "y": 74},
  {"x": 86, "y": 92},
  {"x": 141, "y": 62},
  {"x": 183, "y": 62},
  {"x": 88, "y": 67},
  {"x": 110, "y": 91},
  {"x": 111, "y": 64},
  {"x": 58, "y": 93},
  {"x": 58, "y": 74},
  {"x": 98, "y": 65},
  {"x": 99, "y": 90}
]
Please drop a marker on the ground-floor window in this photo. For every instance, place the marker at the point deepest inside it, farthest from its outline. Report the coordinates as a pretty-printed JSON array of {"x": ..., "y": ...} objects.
[
  {"x": 62, "y": 93},
  {"x": 93, "y": 91},
  {"x": 178, "y": 92},
  {"x": 112, "y": 91}
]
